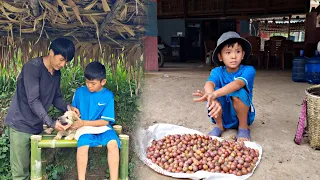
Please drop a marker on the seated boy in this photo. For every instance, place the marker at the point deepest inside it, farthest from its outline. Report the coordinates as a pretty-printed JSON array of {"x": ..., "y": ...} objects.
[
  {"x": 228, "y": 90},
  {"x": 96, "y": 106}
]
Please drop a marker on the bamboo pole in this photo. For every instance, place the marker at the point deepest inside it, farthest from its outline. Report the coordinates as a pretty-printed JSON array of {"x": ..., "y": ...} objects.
[
  {"x": 48, "y": 136},
  {"x": 124, "y": 157},
  {"x": 57, "y": 143},
  {"x": 44, "y": 164},
  {"x": 118, "y": 129},
  {"x": 36, "y": 169}
]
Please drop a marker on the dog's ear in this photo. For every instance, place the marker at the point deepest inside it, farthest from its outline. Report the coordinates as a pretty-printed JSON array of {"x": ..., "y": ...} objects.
[
  {"x": 68, "y": 107},
  {"x": 75, "y": 117}
]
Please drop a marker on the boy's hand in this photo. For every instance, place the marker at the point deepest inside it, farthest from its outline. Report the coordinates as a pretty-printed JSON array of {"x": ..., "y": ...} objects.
[
  {"x": 204, "y": 97},
  {"x": 213, "y": 105},
  {"x": 214, "y": 109},
  {"x": 76, "y": 110},
  {"x": 77, "y": 124}
]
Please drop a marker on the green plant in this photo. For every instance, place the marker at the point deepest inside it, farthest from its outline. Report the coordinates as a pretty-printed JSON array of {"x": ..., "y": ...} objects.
[
  {"x": 107, "y": 173},
  {"x": 5, "y": 156},
  {"x": 7, "y": 87},
  {"x": 54, "y": 172}
]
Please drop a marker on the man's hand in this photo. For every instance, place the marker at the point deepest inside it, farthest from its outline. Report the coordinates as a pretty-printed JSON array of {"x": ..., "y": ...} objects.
[
  {"x": 74, "y": 109},
  {"x": 77, "y": 124},
  {"x": 59, "y": 126}
]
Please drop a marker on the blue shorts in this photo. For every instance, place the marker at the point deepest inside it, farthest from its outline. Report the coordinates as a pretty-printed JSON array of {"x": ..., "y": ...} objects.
[
  {"x": 229, "y": 114},
  {"x": 94, "y": 140}
]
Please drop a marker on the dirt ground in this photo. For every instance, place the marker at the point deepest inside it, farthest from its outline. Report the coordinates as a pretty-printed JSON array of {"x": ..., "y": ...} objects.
[{"x": 166, "y": 98}]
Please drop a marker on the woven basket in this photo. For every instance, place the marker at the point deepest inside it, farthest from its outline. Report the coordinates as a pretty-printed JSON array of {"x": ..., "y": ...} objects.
[{"x": 313, "y": 115}]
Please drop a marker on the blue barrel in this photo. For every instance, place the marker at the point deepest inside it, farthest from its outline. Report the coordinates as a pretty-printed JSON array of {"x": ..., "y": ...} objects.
[
  {"x": 298, "y": 68},
  {"x": 313, "y": 69}
]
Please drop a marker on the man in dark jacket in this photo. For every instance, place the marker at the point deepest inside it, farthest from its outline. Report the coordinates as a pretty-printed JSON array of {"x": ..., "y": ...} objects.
[{"x": 38, "y": 87}]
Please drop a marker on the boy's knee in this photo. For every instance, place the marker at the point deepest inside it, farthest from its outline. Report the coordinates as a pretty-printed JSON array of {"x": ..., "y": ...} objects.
[
  {"x": 112, "y": 145},
  {"x": 235, "y": 99},
  {"x": 237, "y": 102},
  {"x": 241, "y": 96},
  {"x": 241, "y": 92},
  {"x": 83, "y": 150}
]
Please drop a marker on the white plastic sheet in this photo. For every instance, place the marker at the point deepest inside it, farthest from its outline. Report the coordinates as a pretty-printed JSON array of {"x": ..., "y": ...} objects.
[{"x": 158, "y": 131}]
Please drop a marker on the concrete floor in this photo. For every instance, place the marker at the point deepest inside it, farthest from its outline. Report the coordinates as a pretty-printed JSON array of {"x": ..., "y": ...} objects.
[{"x": 166, "y": 98}]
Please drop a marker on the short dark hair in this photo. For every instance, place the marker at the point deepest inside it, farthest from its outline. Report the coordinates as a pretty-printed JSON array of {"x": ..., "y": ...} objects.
[
  {"x": 63, "y": 47},
  {"x": 95, "y": 71},
  {"x": 228, "y": 43}
]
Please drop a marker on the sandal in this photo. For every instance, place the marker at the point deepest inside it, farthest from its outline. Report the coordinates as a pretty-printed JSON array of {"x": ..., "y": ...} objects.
[
  {"x": 244, "y": 134},
  {"x": 216, "y": 131}
]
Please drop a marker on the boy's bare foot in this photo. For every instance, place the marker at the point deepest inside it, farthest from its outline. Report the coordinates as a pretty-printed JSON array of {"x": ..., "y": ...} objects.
[{"x": 243, "y": 135}]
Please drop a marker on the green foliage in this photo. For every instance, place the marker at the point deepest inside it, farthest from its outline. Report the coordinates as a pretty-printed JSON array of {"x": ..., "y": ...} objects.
[
  {"x": 124, "y": 96},
  {"x": 54, "y": 172},
  {"x": 5, "y": 156},
  {"x": 7, "y": 87}
]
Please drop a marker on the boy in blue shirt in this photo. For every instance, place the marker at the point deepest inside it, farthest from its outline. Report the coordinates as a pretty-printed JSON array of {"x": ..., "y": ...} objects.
[
  {"x": 228, "y": 90},
  {"x": 96, "y": 106}
]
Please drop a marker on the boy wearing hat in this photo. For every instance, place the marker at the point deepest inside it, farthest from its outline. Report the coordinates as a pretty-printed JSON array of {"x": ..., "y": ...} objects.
[{"x": 228, "y": 90}]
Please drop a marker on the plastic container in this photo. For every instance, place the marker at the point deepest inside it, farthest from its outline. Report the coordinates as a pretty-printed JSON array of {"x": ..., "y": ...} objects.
[
  {"x": 312, "y": 69},
  {"x": 298, "y": 68}
]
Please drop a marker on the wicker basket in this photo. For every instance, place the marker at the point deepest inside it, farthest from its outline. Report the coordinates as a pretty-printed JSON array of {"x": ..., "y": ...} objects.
[{"x": 313, "y": 115}]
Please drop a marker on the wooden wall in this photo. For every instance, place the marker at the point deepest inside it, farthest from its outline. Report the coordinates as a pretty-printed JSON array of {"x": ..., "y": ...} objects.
[{"x": 222, "y": 8}]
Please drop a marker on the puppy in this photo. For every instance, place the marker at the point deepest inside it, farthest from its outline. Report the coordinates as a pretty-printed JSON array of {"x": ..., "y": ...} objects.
[{"x": 67, "y": 119}]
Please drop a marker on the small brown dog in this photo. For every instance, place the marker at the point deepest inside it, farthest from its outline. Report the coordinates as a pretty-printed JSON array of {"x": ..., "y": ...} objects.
[{"x": 67, "y": 119}]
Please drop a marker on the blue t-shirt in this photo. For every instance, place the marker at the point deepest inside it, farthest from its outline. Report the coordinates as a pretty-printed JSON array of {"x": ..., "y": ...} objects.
[
  {"x": 94, "y": 105},
  {"x": 221, "y": 77}
]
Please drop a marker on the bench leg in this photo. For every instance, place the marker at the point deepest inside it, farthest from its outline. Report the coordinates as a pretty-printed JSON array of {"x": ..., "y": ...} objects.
[
  {"x": 124, "y": 157},
  {"x": 36, "y": 164}
]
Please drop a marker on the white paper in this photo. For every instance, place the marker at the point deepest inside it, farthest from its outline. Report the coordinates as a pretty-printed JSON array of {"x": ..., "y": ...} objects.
[
  {"x": 90, "y": 130},
  {"x": 158, "y": 131}
]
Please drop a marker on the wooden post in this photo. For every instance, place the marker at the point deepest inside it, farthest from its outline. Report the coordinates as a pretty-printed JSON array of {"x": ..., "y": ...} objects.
[
  {"x": 185, "y": 9},
  {"x": 124, "y": 157},
  {"x": 36, "y": 166},
  {"x": 289, "y": 27}
]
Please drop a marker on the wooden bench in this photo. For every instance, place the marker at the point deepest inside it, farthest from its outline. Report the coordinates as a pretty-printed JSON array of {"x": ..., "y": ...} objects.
[{"x": 38, "y": 142}]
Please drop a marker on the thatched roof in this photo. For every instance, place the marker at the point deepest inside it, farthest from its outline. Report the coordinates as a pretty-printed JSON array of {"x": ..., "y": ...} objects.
[
  {"x": 100, "y": 29},
  {"x": 117, "y": 21}
]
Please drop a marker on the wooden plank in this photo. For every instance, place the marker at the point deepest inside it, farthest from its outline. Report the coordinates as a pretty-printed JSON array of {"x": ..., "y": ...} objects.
[
  {"x": 228, "y": 8},
  {"x": 185, "y": 5},
  {"x": 267, "y": 6}
]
